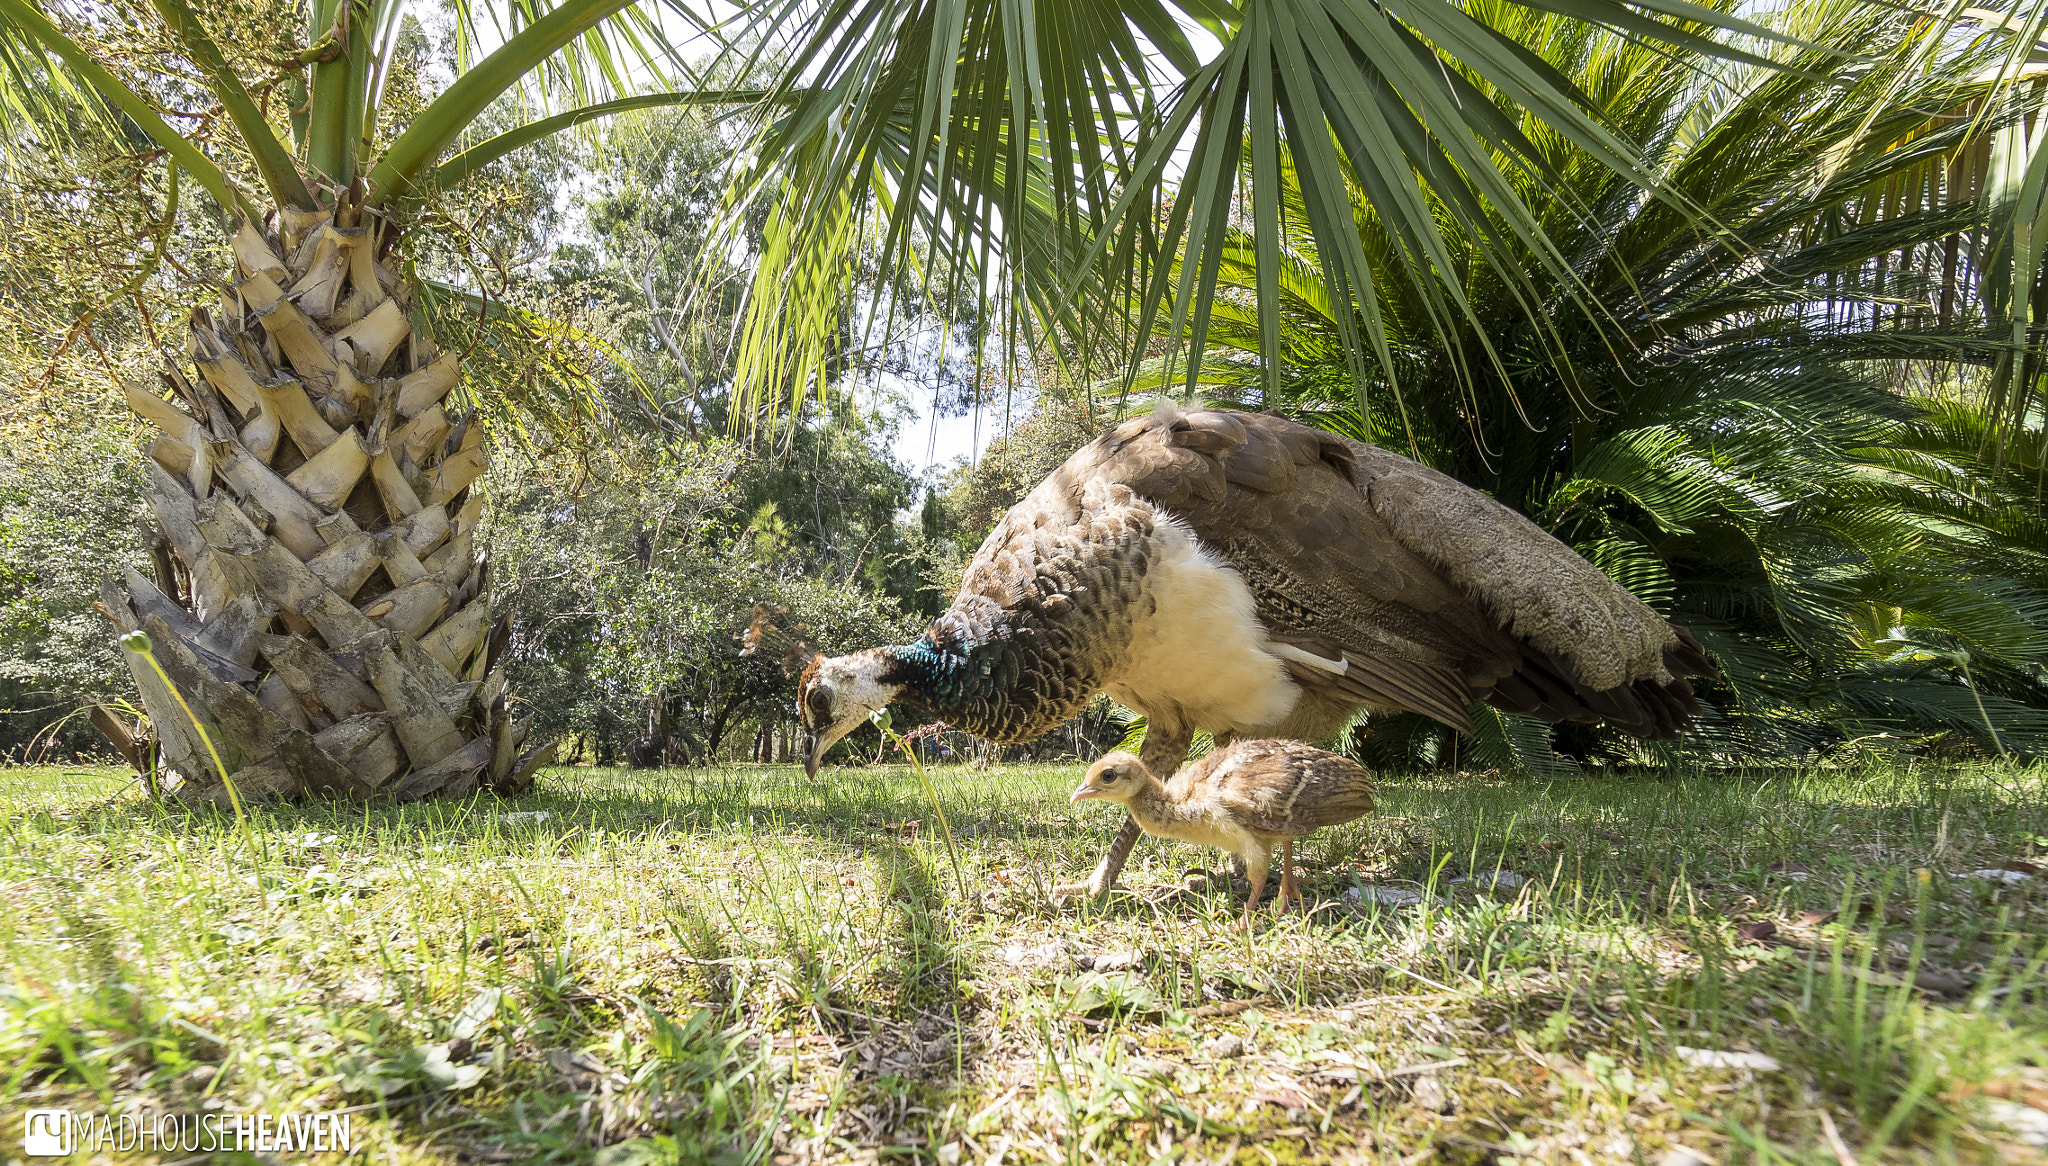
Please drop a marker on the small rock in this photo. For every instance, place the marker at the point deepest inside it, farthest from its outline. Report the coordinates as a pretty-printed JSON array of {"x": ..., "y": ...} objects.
[
  {"x": 1499, "y": 880},
  {"x": 2000, "y": 876},
  {"x": 1431, "y": 1096},
  {"x": 1682, "y": 1156},
  {"x": 1727, "y": 1059},
  {"x": 525, "y": 816},
  {"x": 1017, "y": 955},
  {"x": 1946, "y": 981},
  {"x": 1797, "y": 872},
  {"x": 1111, "y": 961},
  {"x": 2023, "y": 1122},
  {"x": 1225, "y": 1047}
]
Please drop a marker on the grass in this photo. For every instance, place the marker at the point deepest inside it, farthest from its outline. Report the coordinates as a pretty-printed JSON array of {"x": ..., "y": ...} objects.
[{"x": 735, "y": 966}]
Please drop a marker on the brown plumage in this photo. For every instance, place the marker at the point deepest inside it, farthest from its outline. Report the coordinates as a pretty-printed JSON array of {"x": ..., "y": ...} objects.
[
  {"x": 1247, "y": 575},
  {"x": 1248, "y": 798}
]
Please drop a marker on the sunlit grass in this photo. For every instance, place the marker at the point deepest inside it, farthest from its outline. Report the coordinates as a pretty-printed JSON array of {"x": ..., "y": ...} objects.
[{"x": 737, "y": 965}]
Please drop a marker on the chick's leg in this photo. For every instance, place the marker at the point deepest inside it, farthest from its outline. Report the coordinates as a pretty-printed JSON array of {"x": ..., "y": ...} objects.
[
  {"x": 1166, "y": 747},
  {"x": 1287, "y": 888}
]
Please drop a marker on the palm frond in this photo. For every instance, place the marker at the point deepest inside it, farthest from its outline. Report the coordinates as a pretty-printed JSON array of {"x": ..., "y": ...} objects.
[{"x": 1031, "y": 148}]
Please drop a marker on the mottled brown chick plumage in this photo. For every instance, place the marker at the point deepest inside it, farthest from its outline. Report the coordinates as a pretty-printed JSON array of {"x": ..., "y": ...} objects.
[{"x": 1248, "y": 798}]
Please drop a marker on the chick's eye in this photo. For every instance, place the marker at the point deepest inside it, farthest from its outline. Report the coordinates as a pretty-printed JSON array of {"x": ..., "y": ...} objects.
[{"x": 1109, "y": 776}]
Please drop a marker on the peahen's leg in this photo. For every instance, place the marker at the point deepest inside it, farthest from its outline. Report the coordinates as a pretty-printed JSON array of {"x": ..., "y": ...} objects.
[
  {"x": 1166, "y": 747},
  {"x": 1256, "y": 862}
]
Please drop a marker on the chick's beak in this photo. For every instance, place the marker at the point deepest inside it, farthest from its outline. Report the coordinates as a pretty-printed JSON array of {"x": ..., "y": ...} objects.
[{"x": 1084, "y": 791}]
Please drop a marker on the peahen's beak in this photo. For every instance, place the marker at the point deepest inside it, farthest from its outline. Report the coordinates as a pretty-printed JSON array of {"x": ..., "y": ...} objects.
[{"x": 815, "y": 745}]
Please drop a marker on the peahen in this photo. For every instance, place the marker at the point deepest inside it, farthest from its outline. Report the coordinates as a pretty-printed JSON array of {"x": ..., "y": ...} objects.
[{"x": 1251, "y": 576}]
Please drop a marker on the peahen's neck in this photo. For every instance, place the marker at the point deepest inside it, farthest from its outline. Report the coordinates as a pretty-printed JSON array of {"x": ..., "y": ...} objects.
[
  {"x": 941, "y": 680},
  {"x": 951, "y": 683},
  {"x": 972, "y": 684}
]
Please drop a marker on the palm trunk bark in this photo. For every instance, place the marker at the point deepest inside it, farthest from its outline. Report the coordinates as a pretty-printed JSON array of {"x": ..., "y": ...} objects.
[{"x": 329, "y": 615}]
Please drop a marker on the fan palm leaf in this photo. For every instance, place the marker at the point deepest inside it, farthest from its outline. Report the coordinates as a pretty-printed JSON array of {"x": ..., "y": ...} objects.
[{"x": 1050, "y": 155}]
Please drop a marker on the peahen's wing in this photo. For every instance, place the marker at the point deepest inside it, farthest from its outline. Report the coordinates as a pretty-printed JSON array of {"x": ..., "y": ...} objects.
[{"x": 1420, "y": 592}]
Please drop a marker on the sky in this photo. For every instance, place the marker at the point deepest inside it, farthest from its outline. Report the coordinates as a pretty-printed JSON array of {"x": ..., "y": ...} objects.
[
  {"x": 928, "y": 440},
  {"x": 924, "y": 442}
]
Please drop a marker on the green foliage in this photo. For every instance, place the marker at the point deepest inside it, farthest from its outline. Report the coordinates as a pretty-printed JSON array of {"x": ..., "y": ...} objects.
[
  {"x": 70, "y": 508},
  {"x": 1732, "y": 436},
  {"x": 630, "y": 587}
]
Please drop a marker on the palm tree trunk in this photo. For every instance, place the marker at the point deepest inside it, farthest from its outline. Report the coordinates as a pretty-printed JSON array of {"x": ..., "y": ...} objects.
[{"x": 328, "y": 613}]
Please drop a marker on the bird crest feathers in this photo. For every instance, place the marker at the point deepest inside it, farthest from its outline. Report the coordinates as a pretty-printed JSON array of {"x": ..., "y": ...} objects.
[{"x": 763, "y": 632}]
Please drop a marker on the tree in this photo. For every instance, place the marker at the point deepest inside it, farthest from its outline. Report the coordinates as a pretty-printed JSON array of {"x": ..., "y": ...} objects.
[
  {"x": 68, "y": 507},
  {"x": 630, "y": 581},
  {"x": 312, "y": 475}
]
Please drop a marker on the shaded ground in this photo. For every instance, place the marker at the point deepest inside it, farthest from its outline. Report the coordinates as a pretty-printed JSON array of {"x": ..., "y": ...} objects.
[{"x": 737, "y": 966}]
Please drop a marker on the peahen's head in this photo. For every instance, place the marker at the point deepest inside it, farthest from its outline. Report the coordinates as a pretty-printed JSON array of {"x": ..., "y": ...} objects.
[{"x": 836, "y": 693}]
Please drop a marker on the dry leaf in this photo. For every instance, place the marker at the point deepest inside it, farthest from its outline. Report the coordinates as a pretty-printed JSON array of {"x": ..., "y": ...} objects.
[
  {"x": 1756, "y": 932},
  {"x": 1391, "y": 896},
  {"x": 1282, "y": 1092},
  {"x": 1227, "y": 1008},
  {"x": 2005, "y": 1088}
]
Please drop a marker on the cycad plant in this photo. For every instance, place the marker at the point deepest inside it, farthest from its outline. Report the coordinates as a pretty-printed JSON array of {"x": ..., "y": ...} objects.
[
  {"x": 1732, "y": 433},
  {"x": 319, "y": 600}
]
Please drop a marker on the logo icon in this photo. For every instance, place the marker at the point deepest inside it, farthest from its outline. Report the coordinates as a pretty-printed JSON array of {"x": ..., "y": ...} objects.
[{"x": 46, "y": 1133}]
